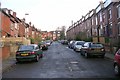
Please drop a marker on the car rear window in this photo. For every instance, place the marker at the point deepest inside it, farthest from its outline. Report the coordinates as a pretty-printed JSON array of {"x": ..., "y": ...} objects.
[
  {"x": 22, "y": 48},
  {"x": 80, "y": 43},
  {"x": 96, "y": 45}
]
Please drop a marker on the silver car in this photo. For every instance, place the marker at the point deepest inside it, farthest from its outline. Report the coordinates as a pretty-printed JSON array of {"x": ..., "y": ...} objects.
[{"x": 78, "y": 45}]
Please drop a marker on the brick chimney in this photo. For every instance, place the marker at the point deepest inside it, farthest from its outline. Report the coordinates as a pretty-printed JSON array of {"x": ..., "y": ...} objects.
[
  {"x": 10, "y": 11},
  {"x": 30, "y": 23},
  {"x": 101, "y": 4},
  {"x": 23, "y": 19},
  {"x": 5, "y": 10}
]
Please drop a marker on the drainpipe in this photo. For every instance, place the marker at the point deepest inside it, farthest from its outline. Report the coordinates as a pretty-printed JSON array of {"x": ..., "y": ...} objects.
[{"x": 98, "y": 35}]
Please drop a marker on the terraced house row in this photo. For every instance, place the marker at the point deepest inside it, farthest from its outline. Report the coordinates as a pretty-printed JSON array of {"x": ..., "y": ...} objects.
[
  {"x": 101, "y": 24},
  {"x": 12, "y": 26},
  {"x": 15, "y": 31}
]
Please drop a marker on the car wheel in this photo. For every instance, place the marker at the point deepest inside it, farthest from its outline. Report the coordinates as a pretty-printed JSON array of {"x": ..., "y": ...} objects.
[
  {"x": 81, "y": 53},
  {"x": 41, "y": 55},
  {"x": 37, "y": 58},
  {"x": 74, "y": 49},
  {"x": 17, "y": 61},
  {"x": 102, "y": 56},
  {"x": 86, "y": 55},
  {"x": 117, "y": 70}
]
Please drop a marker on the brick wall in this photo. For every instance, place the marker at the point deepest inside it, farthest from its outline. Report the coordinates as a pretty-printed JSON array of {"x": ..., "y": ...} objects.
[
  {"x": 5, "y": 52},
  {"x": 5, "y": 25}
]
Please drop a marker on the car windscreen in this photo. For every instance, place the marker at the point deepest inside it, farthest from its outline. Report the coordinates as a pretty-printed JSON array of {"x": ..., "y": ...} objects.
[
  {"x": 96, "y": 45},
  {"x": 23, "y": 48}
]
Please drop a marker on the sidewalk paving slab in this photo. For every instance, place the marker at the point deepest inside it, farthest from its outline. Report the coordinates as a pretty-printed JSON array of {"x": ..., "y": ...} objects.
[
  {"x": 110, "y": 55},
  {"x": 7, "y": 64}
]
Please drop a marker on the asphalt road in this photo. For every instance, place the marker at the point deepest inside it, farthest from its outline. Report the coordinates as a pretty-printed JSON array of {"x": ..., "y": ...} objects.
[{"x": 61, "y": 62}]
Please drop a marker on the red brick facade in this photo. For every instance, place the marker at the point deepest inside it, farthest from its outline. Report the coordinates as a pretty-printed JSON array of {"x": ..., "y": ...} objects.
[
  {"x": 6, "y": 23},
  {"x": 103, "y": 21},
  {"x": 12, "y": 26}
]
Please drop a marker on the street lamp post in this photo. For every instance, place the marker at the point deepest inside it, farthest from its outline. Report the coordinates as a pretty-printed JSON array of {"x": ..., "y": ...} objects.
[
  {"x": 26, "y": 15},
  {"x": 98, "y": 35},
  {"x": 27, "y": 27}
]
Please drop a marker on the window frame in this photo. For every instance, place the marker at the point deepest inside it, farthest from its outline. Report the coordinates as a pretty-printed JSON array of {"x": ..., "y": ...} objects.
[
  {"x": 119, "y": 28},
  {"x": 109, "y": 13},
  {"x": 118, "y": 11},
  {"x": 110, "y": 28}
]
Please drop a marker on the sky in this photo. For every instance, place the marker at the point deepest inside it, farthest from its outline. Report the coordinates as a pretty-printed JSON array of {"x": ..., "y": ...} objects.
[{"x": 47, "y": 15}]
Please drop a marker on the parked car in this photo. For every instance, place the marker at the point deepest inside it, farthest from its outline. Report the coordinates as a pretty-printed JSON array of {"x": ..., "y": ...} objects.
[
  {"x": 117, "y": 63},
  {"x": 70, "y": 44},
  {"x": 43, "y": 45},
  {"x": 29, "y": 53},
  {"x": 64, "y": 42},
  {"x": 48, "y": 42},
  {"x": 93, "y": 49},
  {"x": 78, "y": 45}
]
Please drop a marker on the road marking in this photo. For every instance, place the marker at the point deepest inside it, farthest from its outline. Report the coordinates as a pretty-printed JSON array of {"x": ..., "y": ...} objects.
[
  {"x": 74, "y": 62},
  {"x": 66, "y": 47}
]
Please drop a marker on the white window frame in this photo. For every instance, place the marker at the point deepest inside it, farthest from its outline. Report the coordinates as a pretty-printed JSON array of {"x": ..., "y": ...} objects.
[
  {"x": 110, "y": 28},
  {"x": 119, "y": 28},
  {"x": 118, "y": 11},
  {"x": 100, "y": 16},
  {"x": 16, "y": 26},
  {"x": 96, "y": 19},
  {"x": 12, "y": 26},
  {"x": 110, "y": 13}
]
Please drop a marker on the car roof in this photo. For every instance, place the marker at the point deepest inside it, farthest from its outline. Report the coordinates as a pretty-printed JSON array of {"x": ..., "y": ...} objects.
[
  {"x": 30, "y": 45},
  {"x": 79, "y": 41}
]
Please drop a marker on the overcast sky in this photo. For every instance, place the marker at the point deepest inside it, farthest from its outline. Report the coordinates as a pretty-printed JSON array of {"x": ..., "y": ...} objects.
[{"x": 50, "y": 14}]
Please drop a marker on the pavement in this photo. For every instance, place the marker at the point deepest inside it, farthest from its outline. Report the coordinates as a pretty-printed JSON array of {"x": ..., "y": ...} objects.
[{"x": 10, "y": 62}]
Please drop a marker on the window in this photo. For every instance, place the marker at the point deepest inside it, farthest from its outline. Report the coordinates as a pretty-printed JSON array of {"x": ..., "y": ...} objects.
[
  {"x": 37, "y": 48},
  {"x": 92, "y": 21},
  {"x": 109, "y": 14},
  {"x": 16, "y": 26},
  {"x": 96, "y": 45},
  {"x": 33, "y": 32},
  {"x": 119, "y": 28},
  {"x": 27, "y": 29},
  {"x": 101, "y": 30},
  {"x": 103, "y": 15},
  {"x": 110, "y": 28},
  {"x": 100, "y": 17},
  {"x": 118, "y": 11},
  {"x": 12, "y": 26},
  {"x": 86, "y": 45},
  {"x": 96, "y": 21},
  {"x": 23, "y": 47}
]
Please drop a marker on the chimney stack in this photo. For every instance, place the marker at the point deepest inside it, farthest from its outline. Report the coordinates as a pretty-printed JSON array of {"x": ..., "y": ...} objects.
[
  {"x": 30, "y": 23},
  {"x": 101, "y": 4},
  {"x": 23, "y": 19}
]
